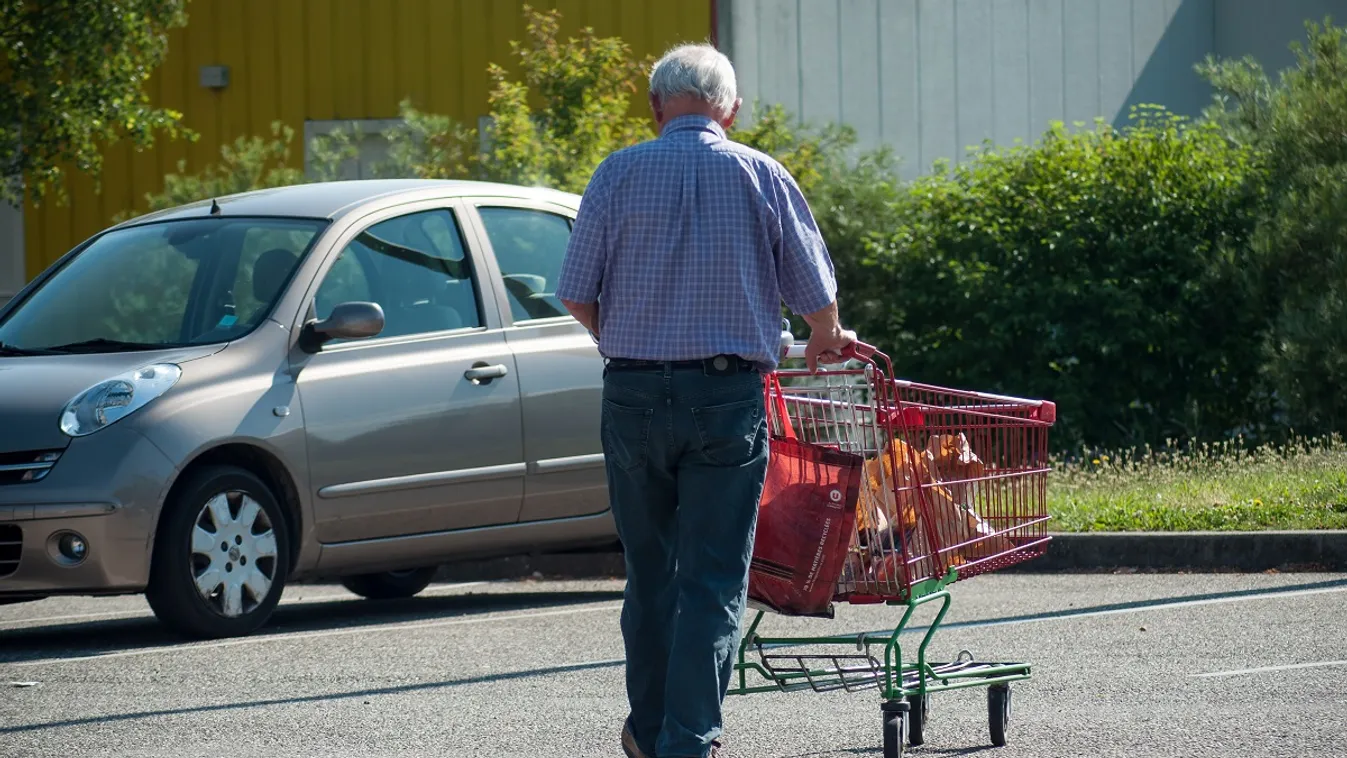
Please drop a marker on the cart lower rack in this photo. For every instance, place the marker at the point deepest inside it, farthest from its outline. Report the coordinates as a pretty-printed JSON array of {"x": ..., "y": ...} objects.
[{"x": 952, "y": 484}]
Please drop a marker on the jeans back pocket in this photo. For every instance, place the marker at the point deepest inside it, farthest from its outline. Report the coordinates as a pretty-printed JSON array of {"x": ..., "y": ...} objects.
[
  {"x": 731, "y": 434},
  {"x": 626, "y": 433}
]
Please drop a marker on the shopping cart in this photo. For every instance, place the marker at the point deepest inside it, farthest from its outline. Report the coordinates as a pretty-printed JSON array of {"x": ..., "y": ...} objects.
[{"x": 954, "y": 485}]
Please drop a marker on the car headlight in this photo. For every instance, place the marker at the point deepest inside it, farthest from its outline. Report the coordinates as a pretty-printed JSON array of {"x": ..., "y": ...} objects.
[{"x": 112, "y": 400}]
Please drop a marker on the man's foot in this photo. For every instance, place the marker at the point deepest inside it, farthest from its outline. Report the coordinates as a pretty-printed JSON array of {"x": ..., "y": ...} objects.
[
  {"x": 717, "y": 750},
  {"x": 629, "y": 745}
]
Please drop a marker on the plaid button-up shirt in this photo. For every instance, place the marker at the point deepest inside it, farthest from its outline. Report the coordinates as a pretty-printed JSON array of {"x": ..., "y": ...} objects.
[{"x": 690, "y": 242}]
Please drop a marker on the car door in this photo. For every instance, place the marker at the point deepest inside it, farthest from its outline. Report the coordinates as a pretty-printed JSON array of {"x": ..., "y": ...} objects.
[
  {"x": 418, "y": 429},
  {"x": 560, "y": 370}
]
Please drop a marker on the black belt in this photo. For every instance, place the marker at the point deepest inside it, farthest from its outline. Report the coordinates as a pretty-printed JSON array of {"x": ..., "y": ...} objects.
[{"x": 716, "y": 365}]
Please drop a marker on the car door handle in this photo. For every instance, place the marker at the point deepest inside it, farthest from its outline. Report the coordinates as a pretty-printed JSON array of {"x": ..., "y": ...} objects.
[{"x": 481, "y": 373}]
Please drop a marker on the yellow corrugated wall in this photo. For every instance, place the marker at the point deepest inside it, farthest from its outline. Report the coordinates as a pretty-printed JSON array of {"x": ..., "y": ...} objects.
[{"x": 298, "y": 60}]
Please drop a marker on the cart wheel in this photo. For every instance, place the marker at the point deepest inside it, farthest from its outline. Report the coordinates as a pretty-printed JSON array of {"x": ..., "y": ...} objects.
[
  {"x": 919, "y": 710},
  {"x": 895, "y": 713},
  {"x": 998, "y": 712}
]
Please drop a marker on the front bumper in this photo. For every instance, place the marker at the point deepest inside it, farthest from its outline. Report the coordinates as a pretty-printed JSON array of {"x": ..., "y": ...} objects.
[{"x": 107, "y": 488}]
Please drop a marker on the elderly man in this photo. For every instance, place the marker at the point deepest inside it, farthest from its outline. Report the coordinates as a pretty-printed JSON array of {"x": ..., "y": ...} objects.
[{"x": 684, "y": 248}]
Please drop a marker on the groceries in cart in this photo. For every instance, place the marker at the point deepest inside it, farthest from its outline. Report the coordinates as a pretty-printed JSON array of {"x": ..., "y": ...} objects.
[{"x": 942, "y": 481}]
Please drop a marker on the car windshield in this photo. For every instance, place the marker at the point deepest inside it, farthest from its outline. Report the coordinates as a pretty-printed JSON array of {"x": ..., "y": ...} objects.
[{"x": 189, "y": 282}]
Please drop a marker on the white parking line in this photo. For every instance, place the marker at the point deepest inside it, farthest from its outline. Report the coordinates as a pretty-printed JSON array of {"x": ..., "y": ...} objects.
[
  {"x": 177, "y": 649},
  {"x": 1271, "y": 594},
  {"x": 1266, "y": 669},
  {"x": 435, "y": 589}
]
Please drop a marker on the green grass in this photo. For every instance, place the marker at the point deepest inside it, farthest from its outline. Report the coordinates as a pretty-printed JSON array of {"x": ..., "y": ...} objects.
[{"x": 1301, "y": 485}]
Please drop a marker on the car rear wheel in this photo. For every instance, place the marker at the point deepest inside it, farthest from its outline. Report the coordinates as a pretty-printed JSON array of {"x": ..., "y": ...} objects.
[
  {"x": 221, "y": 556},
  {"x": 389, "y": 584}
]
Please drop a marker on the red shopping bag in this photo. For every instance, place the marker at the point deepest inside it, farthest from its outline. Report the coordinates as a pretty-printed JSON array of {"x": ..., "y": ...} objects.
[{"x": 805, "y": 523}]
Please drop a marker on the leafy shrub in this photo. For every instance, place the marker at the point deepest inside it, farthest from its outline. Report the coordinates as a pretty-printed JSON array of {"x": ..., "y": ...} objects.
[
  {"x": 582, "y": 88},
  {"x": 1096, "y": 268},
  {"x": 1299, "y": 250},
  {"x": 551, "y": 129}
]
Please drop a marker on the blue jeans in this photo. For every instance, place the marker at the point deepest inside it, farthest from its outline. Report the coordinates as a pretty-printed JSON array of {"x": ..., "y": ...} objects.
[{"x": 686, "y": 459}]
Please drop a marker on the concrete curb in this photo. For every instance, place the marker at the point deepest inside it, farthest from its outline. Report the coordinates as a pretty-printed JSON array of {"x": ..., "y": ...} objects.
[
  {"x": 1194, "y": 551},
  {"x": 1087, "y": 552}
]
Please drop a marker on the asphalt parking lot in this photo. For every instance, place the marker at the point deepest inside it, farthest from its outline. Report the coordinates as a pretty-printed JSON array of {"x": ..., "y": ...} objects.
[{"x": 1125, "y": 665}]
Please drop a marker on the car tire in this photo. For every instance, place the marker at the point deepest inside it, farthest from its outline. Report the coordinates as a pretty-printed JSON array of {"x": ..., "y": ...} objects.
[
  {"x": 221, "y": 556},
  {"x": 389, "y": 585}
]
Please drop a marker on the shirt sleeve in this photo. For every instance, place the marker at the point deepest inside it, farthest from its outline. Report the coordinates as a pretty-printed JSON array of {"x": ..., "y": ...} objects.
[
  {"x": 581, "y": 277},
  {"x": 805, "y": 272}
]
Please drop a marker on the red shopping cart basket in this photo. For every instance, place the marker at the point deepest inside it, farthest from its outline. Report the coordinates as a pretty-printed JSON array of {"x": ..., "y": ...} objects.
[{"x": 952, "y": 484}]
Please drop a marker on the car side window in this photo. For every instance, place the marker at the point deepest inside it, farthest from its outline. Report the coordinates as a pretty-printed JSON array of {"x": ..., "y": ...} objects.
[
  {"x": 346, "y": 282},
  {"x": 530, "y": 246},
  {"x": 414, "y": 267}
]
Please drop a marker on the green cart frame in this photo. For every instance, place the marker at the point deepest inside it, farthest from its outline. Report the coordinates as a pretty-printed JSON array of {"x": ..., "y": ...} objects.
[{"x": 904, "y": 687}]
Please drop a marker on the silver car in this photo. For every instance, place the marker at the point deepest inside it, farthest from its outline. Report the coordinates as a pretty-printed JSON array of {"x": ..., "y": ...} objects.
[{"x": 361, "y": 379}]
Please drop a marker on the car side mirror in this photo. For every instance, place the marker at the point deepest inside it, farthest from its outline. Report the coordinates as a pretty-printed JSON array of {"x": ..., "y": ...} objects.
[{"x": 348, "y": 321}]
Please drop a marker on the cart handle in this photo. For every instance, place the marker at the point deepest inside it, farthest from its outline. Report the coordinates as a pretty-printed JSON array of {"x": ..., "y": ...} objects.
[{"x": 856, "y": 350}]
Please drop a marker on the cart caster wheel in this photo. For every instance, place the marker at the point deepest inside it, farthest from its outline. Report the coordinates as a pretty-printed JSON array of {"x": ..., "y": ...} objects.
[
  {"x": 919, "y": 710},
  {"x": 895, "y": 714},
  {"x": 998, "y": 712}
]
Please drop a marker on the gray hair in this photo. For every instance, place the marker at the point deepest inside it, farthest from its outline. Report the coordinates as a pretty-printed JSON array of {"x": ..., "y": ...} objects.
[{"x": 699, "y": 71}]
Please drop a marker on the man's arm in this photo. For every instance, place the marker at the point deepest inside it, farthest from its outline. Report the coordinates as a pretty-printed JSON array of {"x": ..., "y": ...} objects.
[
  {"x": 806, "y": 277},
  {"x": 581, "y": 277},
  {"x": 586, "y": 313}
]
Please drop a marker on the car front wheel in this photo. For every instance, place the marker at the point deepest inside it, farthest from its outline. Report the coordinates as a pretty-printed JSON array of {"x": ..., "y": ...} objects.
[
  {"x": 389, "y": 585},
  {"x": 221, "y": 555}
]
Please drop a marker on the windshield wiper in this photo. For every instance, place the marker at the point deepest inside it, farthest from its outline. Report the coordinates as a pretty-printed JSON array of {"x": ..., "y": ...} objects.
[
  {"x": 105, "y": 345},
  {"x": 12, "y": 350}
]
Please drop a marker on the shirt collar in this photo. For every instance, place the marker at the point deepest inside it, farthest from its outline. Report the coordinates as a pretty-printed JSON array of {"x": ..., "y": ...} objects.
[{"x": 693, "y": 122}]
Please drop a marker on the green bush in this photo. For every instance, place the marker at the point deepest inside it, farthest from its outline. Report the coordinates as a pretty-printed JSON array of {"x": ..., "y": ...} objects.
[
  {"x": 551, "y": 129},
  {"x": 1096, "y": 268},
  {"x": 1299, "y": 251}
]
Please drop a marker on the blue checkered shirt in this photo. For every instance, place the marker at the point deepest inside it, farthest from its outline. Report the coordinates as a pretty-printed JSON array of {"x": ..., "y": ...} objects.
[{"x": 690, "y": 243}]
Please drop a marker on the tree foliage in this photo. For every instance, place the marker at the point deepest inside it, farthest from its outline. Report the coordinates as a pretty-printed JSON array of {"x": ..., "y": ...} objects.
[
  {"x": 1299, "y": 250},
  {"x": 72, "y": 76}
]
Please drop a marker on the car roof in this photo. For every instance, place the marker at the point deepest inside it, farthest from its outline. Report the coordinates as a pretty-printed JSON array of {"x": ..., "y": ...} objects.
[{"x": 332, "y": 200}]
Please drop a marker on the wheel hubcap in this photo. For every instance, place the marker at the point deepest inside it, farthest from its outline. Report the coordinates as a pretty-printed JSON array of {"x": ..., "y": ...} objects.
[{"x": 233, "y": 554}]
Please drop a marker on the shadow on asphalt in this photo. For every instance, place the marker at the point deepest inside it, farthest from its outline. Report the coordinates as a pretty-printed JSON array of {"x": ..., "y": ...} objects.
[
  {"x": 333, "y": 697},
  {"x": 84, "y": 638}
]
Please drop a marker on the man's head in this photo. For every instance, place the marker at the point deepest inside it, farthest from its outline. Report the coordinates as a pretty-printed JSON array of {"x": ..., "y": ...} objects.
[{"x": 694, "y": 79}]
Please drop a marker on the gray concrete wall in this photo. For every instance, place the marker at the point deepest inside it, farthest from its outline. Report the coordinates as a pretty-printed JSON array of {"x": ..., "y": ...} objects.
[
  {"x": 1265, "y": 28},
  {"x": 932, "y": 77}
]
